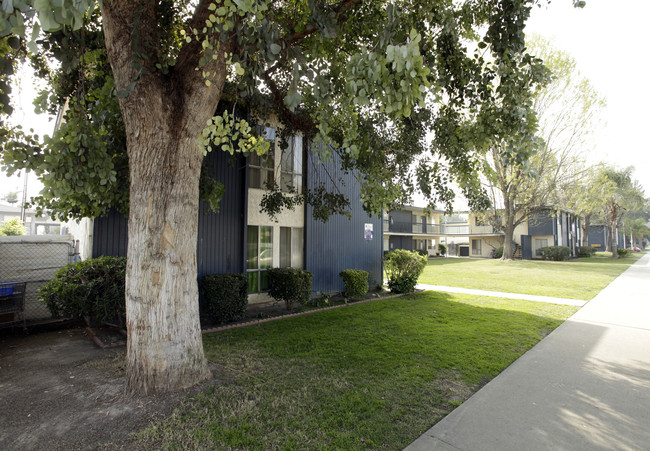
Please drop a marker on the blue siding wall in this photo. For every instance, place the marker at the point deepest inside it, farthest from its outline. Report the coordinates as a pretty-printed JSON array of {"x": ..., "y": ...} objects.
[
  {"x": 598, "y": 235},
  {"x": 221, "y": 235},
  {"x": 339, "y": 243},
  {"x": 400, "y": 221},
  {"x": 400, "y": 242},
  {"x": 541, "y": 223}
]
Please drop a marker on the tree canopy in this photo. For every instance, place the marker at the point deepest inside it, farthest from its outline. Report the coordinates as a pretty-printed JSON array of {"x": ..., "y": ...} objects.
[
  {"x": 153, "y": 86},
  {"x": 370, "y": 80},
  {"x": 551, "y": 163}
]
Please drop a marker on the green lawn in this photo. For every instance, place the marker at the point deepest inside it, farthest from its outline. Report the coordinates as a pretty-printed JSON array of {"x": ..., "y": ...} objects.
[
  {"x": 581, "y": 278},
  {"x": 373, "y": 375}
]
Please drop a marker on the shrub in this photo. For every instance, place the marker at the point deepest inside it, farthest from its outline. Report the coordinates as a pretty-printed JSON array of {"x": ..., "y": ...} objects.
[
  {"x": 423, "y": 253},
  {"x": 498, "y": 252},
  {"x": 403, "y": 268},
  {"x": 290, "y": 285},
  {"x": 555, "y": 253},
  {"x": 622, "y": 252},
  {"x": 92, "y": 288},
  {"x": 12, "y": 227},
  {"x": 585, "y": 251},
  {"x": 226, "y": 296},
  {"x": 356, "y": 282},
  {"x": 442, "y": 249}
]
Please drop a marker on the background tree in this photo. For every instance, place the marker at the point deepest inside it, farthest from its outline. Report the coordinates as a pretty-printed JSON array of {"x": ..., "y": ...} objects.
[
  {"x": 12, "y": 197},
  {"x": 621, "y": 193},
  {"x": 638, "y": 230},
  {"x": 366, "y": 79},
  {"x": 12, "y": 227},
  {"x": 584, "y": 197},
  {"x": 550, "y": 163}
]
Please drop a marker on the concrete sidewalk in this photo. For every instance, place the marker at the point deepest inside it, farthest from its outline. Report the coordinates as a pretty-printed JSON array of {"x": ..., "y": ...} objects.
[
  {"x": 584, "y": 387},
  {"x": 499, "y": 294}
]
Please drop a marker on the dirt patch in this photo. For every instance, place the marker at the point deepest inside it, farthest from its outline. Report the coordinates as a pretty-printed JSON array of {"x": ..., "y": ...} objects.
[{"x": 60, "y": 391}]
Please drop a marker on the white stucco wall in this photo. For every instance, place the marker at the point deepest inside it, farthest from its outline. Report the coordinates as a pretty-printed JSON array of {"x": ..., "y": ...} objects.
[{"x": 287, "y": 218}]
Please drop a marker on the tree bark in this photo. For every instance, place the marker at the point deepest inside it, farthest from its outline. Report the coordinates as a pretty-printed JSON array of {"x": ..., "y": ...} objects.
[
  {"x": 508, "y": 232},
  {"x": 612, "y": 242},
  {"x": 165, "y": 350},
  {"x": 163, "y": 117},
  {"x": 585, "y": 230}
]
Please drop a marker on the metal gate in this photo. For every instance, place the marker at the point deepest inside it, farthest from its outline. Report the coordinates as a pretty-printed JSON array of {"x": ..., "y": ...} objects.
[{"x": 34, "y": 260}]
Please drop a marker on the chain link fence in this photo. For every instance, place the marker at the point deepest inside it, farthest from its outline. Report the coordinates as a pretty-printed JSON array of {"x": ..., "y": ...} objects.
[{"x": 34, "y": 260}]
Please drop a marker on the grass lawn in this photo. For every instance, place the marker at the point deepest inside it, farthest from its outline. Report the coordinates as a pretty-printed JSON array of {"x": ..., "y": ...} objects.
[
  {"x": 373, "y": 375},
  {"x": 582, "y": 278}
]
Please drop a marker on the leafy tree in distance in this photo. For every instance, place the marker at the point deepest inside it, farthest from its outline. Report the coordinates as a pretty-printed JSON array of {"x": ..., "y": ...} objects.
[
  {"x": 12, "y": 227},
  {"x": 12, "y": 197},
  {"x": 551, "y": 162},
  {"x": 621, "y": 193},
  {"x": 368, "y": 79}
]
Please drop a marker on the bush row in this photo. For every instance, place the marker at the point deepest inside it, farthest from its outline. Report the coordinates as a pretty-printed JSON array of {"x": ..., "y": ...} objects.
[
  {"x": 585, "y": 251},
  {"x": 555, "y": 253},
  {"x": 94, "y": 288}
]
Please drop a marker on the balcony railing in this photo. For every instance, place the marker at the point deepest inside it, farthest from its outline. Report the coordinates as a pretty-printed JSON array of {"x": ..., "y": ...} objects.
[
  {"x": 412, "y": 227},
  {"x": 419, "y": 228}
]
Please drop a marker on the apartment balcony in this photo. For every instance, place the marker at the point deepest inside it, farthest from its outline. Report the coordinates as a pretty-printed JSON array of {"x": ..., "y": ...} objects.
[
  {"x": 452, "y": 229},
  {"x": 411, "y": 228}
]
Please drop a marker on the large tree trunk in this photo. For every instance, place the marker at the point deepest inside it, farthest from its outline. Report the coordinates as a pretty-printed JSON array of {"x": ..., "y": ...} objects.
[
  {"x": 164, "y": 115},
  {"x": 508, "y": 232},
  {"x": 165, "y": 350},
  {"x": 612, "y": 242}
]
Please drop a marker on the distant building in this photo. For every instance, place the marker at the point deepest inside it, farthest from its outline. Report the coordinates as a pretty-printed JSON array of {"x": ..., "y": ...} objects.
[
  {"x": 466, "y": 235},
  {"x": 34, "y": 225}
]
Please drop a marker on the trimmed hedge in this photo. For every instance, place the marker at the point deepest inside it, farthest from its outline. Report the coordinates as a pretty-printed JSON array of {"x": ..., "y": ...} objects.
[
  {"x": 623, "y": 252},
  {"x": 92, "y": 288},
  {"x": 226, "y": 296},
  {"x": 290, "y": 285},
  {"x": 356, "y": 282},
  {"x": 585, "y": 251},
  {"x": 403, "y": 268},
  {"x": 498, "y": 252},
  {"x": 555, "y": 253},
  {"x": 423, "y": 252}
]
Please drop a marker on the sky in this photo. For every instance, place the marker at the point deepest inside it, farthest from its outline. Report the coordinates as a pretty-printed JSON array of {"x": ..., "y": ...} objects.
[{"x": 609, "y": 42}]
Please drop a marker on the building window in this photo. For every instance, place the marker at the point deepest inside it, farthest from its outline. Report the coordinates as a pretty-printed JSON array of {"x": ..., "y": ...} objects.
[
  {"x": 540, "y": 243},
  {"x": 291, "y": 166},
  {"x": 476, "y": 247},
  {"x": 291, "y": 246},
  {"x": 259, "y": 257},
  {"x": 260, "y": 169}
]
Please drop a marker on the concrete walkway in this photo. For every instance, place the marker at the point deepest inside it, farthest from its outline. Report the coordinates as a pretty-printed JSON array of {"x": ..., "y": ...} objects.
[
  {"x": 499, "y": 294},
  {"x": 586, "y": 386}
]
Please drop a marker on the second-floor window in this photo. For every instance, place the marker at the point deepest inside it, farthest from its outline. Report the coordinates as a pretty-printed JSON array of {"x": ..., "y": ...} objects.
[
  {"x": 291, "y": 166},
  {"x": 260, "y": 169}
]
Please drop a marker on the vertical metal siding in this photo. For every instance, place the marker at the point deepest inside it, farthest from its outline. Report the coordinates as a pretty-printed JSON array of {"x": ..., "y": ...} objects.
[
  {"x": 110, "y": 235},
  {"x": 220, "y": 235},
  {"x": 542, "y": 223},
  {"x": 339, "y": 243}
]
